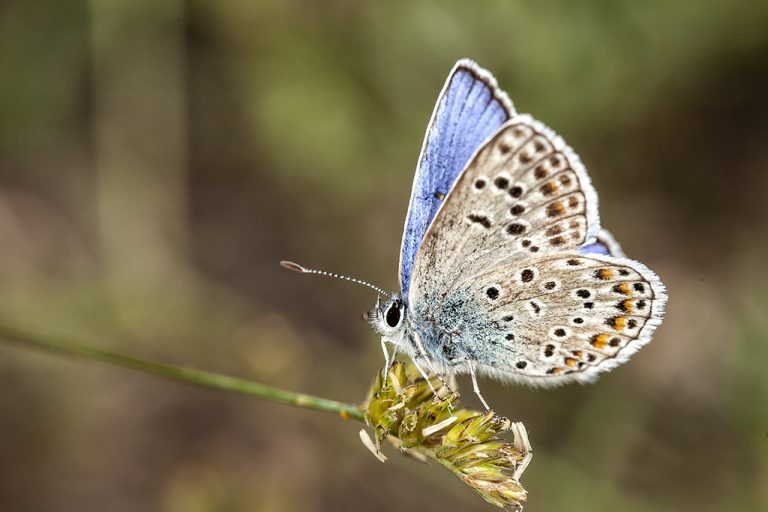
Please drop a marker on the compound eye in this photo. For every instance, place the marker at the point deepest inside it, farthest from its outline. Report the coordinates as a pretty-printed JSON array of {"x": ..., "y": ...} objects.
[{"x": 394, "y": 313}]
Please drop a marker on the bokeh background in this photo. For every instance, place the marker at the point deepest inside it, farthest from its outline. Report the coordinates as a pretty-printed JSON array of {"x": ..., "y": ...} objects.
[{"x": 157, "y": 159}]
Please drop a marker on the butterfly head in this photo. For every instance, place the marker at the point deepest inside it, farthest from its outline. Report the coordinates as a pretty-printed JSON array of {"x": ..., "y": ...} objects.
[{"x": 388, "y": 318}]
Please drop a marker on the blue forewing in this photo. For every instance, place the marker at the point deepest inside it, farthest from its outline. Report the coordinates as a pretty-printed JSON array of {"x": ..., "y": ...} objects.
[{"x": 470, "y": 109}]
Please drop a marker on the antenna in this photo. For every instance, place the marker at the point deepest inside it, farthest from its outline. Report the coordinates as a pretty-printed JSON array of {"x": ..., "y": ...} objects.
[{"x": 303, "y": 270}]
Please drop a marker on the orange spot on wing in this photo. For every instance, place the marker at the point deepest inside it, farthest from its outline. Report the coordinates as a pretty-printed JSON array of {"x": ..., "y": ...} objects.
[
  {"x": 570, "y": 362},
  {"x": 549, "y": 188},
  {"x": 623, "y": 288},
  {"x": 600, "y": 340},
  {"x": 627, "y": 305},
  {"x": 555, "y": 209},
  {"x": 604, "y": 274}
]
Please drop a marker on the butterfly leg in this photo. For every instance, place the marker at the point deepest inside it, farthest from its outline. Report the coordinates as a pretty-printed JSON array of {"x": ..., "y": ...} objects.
[
  {"x": 386, "y": 359},
  {"x": 476, "y": 388},
  {"x": 423, "y": 354},
  {"x": 424, "y": 374}
]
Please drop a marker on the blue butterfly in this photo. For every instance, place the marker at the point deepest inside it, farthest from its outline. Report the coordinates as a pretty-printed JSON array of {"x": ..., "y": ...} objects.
[{"x": 504, "y": 268}]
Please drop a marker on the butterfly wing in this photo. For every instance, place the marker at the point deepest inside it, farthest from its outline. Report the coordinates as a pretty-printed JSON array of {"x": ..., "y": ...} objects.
[
  {"x": 605, "y": 244},
  {"x": 509, "y": 278},
  {"x": 525, "y": 193},
  {"x": 469, "y": 109},
  {"x": 558, "y": 317}
]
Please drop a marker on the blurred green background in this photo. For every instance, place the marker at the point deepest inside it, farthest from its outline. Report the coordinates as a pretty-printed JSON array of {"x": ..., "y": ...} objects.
[{"x": 157, "y": 158}]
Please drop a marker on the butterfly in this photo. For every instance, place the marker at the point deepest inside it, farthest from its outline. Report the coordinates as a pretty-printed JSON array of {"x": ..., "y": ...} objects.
[{"x": 504, "y": 268}]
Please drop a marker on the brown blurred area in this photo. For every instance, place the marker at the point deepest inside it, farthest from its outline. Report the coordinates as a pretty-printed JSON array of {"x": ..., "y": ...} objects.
[{"x": 157, "y": 159}]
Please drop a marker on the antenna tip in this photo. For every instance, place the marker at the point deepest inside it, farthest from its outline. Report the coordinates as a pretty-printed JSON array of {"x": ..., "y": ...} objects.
[{"x": 292, "y": 266}]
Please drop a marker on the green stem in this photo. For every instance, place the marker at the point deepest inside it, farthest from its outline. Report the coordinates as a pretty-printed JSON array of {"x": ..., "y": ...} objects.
[{"x": 198, "y": 377}]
